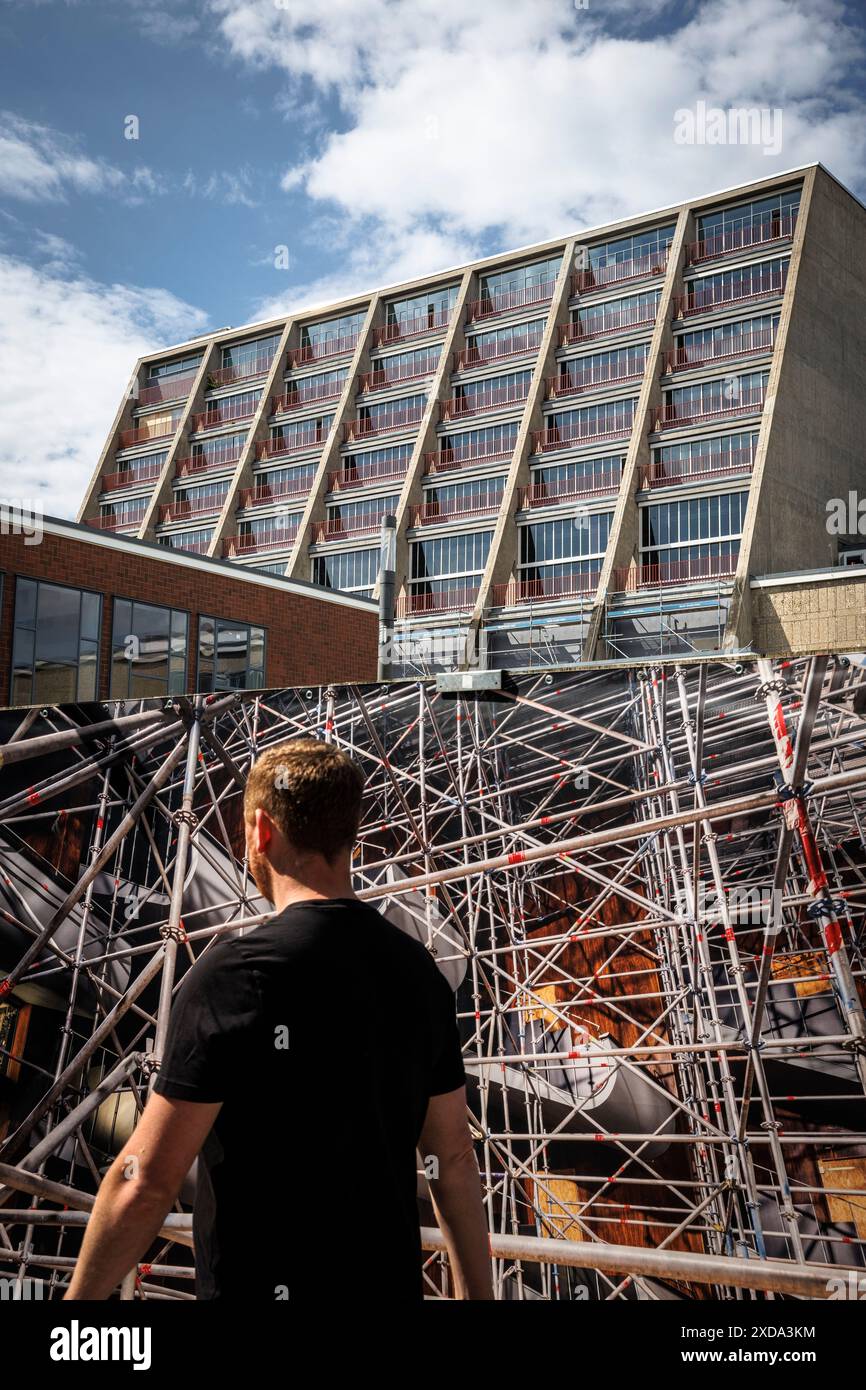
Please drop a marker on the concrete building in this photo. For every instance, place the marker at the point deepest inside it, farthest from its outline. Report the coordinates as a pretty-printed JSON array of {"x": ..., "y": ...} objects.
[
  {"x": 628, "y": 443},
  {"x": 88, "y": 616}
]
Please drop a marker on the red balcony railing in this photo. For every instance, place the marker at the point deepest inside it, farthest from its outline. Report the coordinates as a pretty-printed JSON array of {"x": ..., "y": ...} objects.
[
  {"x": 426, "y": 513},
  {"x": 503, "y": 300},
  {"x": 544, "y": 590},
  {"x": 328, "y": 347},
  {"x": 172, "y": 388},
  {"x": 117, "y": 523},
  {"x": 471, "y": 356},
  {"x": 338, "y": 529},
  {"x": 206, "y": 463},
  {"x": 571, "y": 383},
  {"x": 296, "y": 444},
  {"x": 417, "y": 327},
  {"x": 247, "y": 544},
  {"x": 599, "y": 277},
  {"x": 630, "y": 578},
  {"x": 499, "y": 398},
  {"x": 543, "y": 440},
  {"x": 243, "y": 371},
  {"x": 265, "y": 496},
  {"x": 682, "y": 471},
  {"x": 305, "y": 395},
  {"x": 186, "y": 511},
  {"x": 700, "y": 299},
  {"x": 383, "y": 377},
  {"x": 362, "y": 475},
  {"x": 447, "y": 601},
  {"x": 464, "y": 456},
  {"x": 222, "y": 414},
  {"x": 740, "y": 239},
  {"x": 674, "y": 416},
  {"x": 131, "y": 477},
  {"x": 598, "y": 325},
  {"x": 147, "y": 434},
  {"x": 385, "y": 422},
  {"x": 553, "y": 494},
  {"x": 720, "y": 350}
]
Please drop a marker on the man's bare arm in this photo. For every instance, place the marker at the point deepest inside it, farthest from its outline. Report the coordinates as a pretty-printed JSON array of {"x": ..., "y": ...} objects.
[
  {"x": 138, "y": 1191},
  {"x": 456, "y": 1194}
]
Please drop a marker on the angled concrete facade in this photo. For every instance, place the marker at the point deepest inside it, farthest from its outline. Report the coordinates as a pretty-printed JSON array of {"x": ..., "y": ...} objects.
[{"x": 592, "y": 446}]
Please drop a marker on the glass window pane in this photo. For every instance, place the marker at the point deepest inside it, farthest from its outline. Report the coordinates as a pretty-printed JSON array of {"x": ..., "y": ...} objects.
[
  {"x": 90, "y": 611},
  {"x": 25, "y": 602}
]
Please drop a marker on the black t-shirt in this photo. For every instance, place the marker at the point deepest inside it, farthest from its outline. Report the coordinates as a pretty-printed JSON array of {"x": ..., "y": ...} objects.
[{"x": 324, "y": 1032}]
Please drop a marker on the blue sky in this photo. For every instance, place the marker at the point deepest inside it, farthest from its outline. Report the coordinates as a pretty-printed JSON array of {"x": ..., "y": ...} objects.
[{"x": 374, "y": 139}]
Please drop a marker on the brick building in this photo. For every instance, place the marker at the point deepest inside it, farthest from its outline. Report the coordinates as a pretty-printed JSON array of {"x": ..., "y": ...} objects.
[{"x": 90, "y": 616}]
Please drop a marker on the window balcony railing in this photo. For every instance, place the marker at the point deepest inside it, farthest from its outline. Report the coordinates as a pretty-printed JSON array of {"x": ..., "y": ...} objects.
[
  {"x": 246, "y": 544},
  {"x": 222, "y": 415},
  {"x": 381, "y": 378},
  {"x": 301, "y": 396},
  {"x": 544, "y": 590},
  {"x": 499, "y": 398},
  {"x": 501, "y": 301},
  {"x": 173, "y": 388},
  {"x": 111, "y": 482},
  {"x": 445, "y": 460},
  {"x": 417, "y": 327},
  {"x": 242, "y": 371},
  {"x": 338, "y": 529},
  {"x": 327, "y": 348},
  {"x": 720, "y": 350},
  {"x": 185, "y": 511},
  {"x": 600, "y": 325},
  {"x": 572, "y": 383},
  {"x": 388, "y": 422},
  {"x": 682, "y": 473},
  {"x": 558, "y": 439},
  {"x": 599, "y": 277},
  {"x": 556, "y": 494},
  {"x": 363, "y": 475},
  {"x": 465, "y": 509},
  {"x": 195, "y": 464},
  {"x": 675, "y": 416},
  {"x": 734, "y": 239},
  {"x": 265, "y": 496},
  {"x": 471, "y": 356},
  {"x": 628, "y": 579},
  {"x": 280, "y": 448},
  {"x": 144, "y": 434},
  {"x": 192, "y": 547},
  {"x": 117, "y": 523},
  {"x": 456, "y": 600},
  {"x": 702, "y": 299}
]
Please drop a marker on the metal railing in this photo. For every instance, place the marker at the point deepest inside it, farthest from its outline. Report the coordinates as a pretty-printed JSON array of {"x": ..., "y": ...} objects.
[
  {"x": 228, "y": 415},
  {"x": 335, "y": 528},
  {"x": 206, "y": 463},
  {"x": 167, "y": 389},
  {"x": 599, "y": 277},
  {"x": 614, "y": 321},
  {"x": 740, "y": 239},
  {"x": 551, "y": 494},
  {"x": 227, "y": 376},
  {"x": 328, "y": 347},
  {"x": 497, "y": 399},
  {"x": 359, "y": 476},
  {"x": 746, "y": 403},
  {"x": 444, "y": 601},
  {"x": 264, "y": 496},
  {"x": 131, "y": 477},
  {"x": 141, "y": 434},
  {"x": 628, "y": 578},
  {"x": 246, "y": 544},
  {"x": 518, "y": 590},
  {"x": 380, "y": 378},
  {"x": 469, "y": 357},
  {"x": 278, "y": 448},
  {"x": 444, "y": 460},
  {"x": 184, "y": 511},
  {"x": 387, "y": 422},
  {"x": 543, "y": 440},
  {"x": 296, "y": 399},
  {"x": 571, "y": 383},
  {"x": 657, "y": 474},
  {"x": 501, "y": 301},
  {"x": 423, "y": 513},
  {"x": 719, "y": 350},
  {"x": 417, "y": 327},
  {"x": 117, "y": 523},
  {"x": 700, "y": 299}
]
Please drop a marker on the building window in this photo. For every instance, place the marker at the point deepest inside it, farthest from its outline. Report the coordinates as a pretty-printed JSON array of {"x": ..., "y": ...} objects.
[
  {"x": 535, "y": 281},
  {"x": 231, "y": 656},
  {"x": 148, "y": 650},
  {"x": 694, "y": 537},
  {"x": 449, "y": 563},
  {"x": 649, "y": 246},
  {"x": 617, "y": 313},
  {"x": 430, "y": 309},
  {"x": 333, "y": 334},
  {"x": 55, "y": 647},
  {"x": 251, "y": 358},
  {"x": 565, "y": 548},
  {"x": 767, "y": 277},
  {"x": 180, "y": 366},
  {"x": 195, "y": 541},
  {"x": 750, "y": 222},
  {"x": 353, "y": 571}
]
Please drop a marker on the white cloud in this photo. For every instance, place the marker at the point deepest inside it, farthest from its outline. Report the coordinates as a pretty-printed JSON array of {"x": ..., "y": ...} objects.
[
  {"x": 40, "y": 164},
  {"x": 67, "y": 348},
  {"x": 513, "y": 122}
]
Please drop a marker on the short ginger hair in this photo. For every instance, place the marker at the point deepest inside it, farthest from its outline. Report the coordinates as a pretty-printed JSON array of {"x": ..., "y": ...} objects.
[{"x": 312, "y": 791}]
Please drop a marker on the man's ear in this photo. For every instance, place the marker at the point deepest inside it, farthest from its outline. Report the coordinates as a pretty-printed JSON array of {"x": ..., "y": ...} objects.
[{"x": 262, "y": 830}]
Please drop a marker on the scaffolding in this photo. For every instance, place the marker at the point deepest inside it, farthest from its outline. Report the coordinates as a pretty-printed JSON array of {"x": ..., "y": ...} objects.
[{"x": 646, "y": 886}]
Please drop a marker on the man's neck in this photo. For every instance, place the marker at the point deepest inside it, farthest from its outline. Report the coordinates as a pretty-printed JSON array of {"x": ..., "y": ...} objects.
[{"x": 288, "y": 891}]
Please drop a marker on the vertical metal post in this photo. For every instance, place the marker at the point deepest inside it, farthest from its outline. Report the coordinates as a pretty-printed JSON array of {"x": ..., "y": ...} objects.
[{"x": 387, "y": 577}]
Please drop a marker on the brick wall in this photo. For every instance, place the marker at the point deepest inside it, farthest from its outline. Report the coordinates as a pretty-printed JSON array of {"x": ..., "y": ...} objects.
[{"x": 308, "y": 639}]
